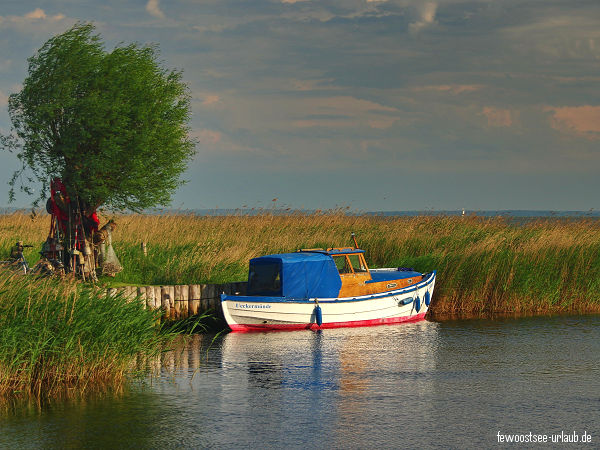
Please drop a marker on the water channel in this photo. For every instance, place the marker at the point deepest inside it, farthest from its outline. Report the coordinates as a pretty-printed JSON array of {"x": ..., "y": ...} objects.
[{"x": 451, "y": 384}]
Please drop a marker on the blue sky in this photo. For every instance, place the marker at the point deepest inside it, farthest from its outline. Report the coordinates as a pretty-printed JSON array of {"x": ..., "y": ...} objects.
[{"x": 375, "y": 105}]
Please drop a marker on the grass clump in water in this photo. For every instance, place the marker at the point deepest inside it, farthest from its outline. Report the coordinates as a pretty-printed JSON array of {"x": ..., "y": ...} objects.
[{"x": 57, "y": 335}]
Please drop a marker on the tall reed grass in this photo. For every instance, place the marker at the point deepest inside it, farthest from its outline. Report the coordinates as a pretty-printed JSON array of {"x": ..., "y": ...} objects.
[
  {"x": 484, "y": 265},
  {"x": 57, "y": 335}
]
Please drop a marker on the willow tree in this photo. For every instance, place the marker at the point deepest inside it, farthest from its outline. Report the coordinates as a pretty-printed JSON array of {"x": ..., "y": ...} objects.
[
  {"x": 112, "y": 125},
  {"x": 99, "y": 128}
]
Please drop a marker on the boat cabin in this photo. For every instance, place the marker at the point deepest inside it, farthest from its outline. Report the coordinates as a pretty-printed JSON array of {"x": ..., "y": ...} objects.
[{"x": 319, "y": 273}]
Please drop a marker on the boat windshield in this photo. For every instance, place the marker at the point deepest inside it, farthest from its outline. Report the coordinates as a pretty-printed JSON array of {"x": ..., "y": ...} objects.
[
  {"x": 342, "y": 264},
  {"x": 357, "y": 263},
  {"x": 349, "y": 263},
  {"x": 264, "y": 279}
]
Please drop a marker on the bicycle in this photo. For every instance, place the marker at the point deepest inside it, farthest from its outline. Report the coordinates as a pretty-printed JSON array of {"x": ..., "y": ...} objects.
[{"x": 18, "y": 260}]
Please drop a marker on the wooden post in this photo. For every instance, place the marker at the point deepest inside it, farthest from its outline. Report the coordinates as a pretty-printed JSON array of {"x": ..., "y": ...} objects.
[
  {"x": 149, "y": 297},
  {"x": 157, "y": 297},
  {"x": 177, "y": 310},
  {"x": 141, "y": 294},
  {"x": 226, "y": 287},
  {"x": 182, "y": 298},
  {"x": 208, "y": 294},
  {"x": 194, "y": 299},
  {"x": 130, "y": 293},
  {"x": 144, "y": 248},
  {"x": 181, "y": 301},
  {"x": 165, "y": 301},
  {"x": 171, "y": 290}
]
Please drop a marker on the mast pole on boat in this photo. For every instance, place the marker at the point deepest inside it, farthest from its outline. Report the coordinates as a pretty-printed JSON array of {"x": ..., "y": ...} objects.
[{"x": 354, "y": 238}]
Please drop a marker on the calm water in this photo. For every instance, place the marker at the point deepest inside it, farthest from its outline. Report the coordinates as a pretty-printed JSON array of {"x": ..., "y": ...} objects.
[{"x": 451, "y": 384}]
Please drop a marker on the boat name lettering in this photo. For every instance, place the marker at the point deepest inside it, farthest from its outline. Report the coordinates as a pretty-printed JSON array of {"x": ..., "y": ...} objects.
[{"x": 251, "y": 306}]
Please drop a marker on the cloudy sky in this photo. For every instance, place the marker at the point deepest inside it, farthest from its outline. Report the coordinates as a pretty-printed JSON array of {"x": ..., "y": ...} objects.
[{"x": 375, "y": 105}]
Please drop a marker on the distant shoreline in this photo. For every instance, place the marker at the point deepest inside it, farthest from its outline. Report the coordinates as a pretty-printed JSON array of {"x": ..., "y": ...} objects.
[{"x": 520, "y": 213}]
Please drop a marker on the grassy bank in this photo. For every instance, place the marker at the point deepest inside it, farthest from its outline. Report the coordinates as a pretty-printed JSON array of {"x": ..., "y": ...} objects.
[
  {"x": 56, "y": 336},
  {"x": 484, "y": 264}
]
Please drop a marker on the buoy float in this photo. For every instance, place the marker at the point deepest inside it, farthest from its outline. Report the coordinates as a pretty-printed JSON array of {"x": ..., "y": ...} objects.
[
  {"x": 427, "y": 298},
  {"x": 318, "y": 313},
  {"x": 406, "y": 301},
  {"x": 417, "y": 303}
]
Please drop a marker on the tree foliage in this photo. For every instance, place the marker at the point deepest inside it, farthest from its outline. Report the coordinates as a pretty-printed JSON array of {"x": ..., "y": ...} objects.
[{"x": 111, "y": 125}]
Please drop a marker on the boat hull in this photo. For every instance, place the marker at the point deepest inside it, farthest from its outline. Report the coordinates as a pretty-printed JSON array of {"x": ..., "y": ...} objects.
[{"x": 249, "y": 313}]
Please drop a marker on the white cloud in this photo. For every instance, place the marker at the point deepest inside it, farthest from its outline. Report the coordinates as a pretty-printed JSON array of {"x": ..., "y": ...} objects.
[
  {"x": 581, "y": 120},
  {"x": 426, "y": 16},
  {"x": 35, "y": 21},
  {"x": 37, "y": 14},
  {"x": 153, "y": 8}
]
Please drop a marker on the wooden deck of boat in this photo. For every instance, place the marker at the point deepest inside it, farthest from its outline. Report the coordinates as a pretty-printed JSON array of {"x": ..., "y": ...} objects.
[{"x": 355, "y": 284}]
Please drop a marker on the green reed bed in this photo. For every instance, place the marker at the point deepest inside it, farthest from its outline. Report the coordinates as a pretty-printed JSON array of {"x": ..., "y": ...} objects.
[
  {"x": 57, "y": 335},
  {"x": 485, "y": 265}
]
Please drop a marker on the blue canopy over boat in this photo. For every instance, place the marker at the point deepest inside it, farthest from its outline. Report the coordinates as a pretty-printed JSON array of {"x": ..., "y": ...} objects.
[{"x": 294, "y": 275}]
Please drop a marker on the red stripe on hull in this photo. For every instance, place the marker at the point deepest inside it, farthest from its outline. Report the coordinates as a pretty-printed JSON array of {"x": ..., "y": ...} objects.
[{"x": 314, "y": 326}]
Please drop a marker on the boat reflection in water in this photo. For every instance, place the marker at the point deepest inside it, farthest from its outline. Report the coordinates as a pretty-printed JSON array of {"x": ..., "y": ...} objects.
[
  {"x": 336, "y": 386},
  {"x": 340, "y": 384}
]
